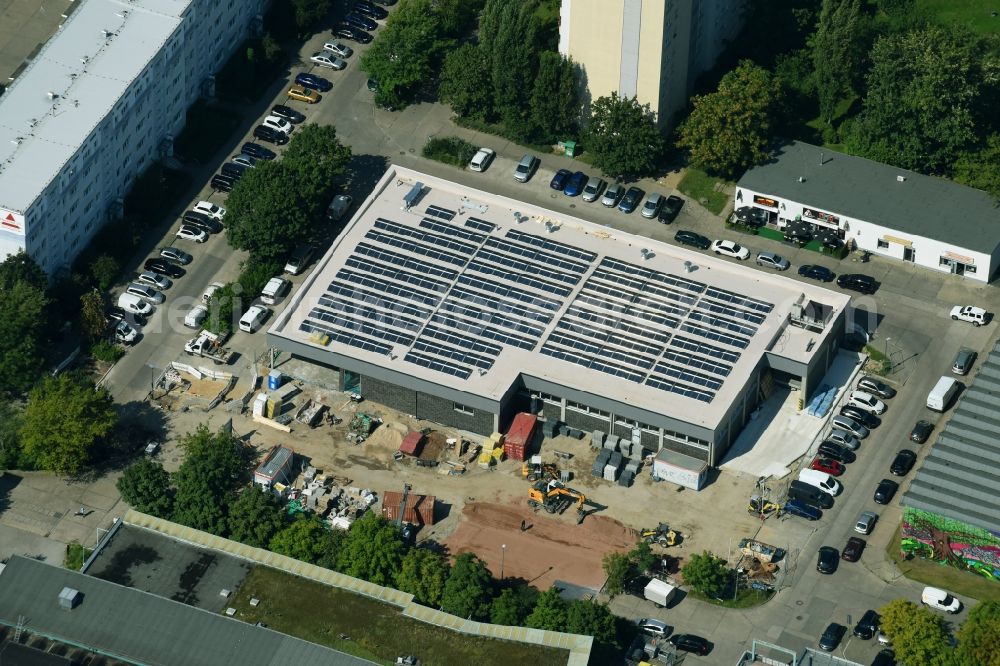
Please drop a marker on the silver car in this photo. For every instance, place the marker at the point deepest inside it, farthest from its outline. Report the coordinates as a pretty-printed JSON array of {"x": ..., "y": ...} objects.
[
  {"x": 613, "y": 195},
  {"x": 866, "y": 522},
  {"x": 772, "y": 260},
  {"x": 154, "y": 280},
  {"x": 593, "y": 189},
  {"x": 525, "y": 168},
  {"x": 844, "y": 438},
  {"x": 850, "y": 425}
]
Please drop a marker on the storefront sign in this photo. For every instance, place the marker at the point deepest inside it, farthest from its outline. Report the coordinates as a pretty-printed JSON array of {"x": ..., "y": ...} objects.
[
  {"x": 765, "y": 201},
  {"x": 11, "y": 222},
  {"x": 959, "y": 258},
  {"x": 898, "y": 241},
  {"x": 825, "y": 218}
]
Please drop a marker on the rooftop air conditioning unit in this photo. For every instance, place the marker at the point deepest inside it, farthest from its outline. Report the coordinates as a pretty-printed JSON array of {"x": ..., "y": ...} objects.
[
  {"x": 900, "y": 179},
  {"x": 69, "y": 598}
]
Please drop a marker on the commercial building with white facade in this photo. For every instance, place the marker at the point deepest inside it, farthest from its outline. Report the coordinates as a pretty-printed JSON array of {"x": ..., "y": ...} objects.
[
  {"x": 653, "y": 50},
  {"x": 465, "y": 307},
  {"x": 98, "y": 104},
  {"x": 924, "y": 220}
]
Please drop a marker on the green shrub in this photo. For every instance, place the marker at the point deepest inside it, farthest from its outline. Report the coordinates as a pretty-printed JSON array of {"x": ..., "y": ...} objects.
[
  {"x": 104, "y": 269},
  {"x": 105, "y": 351},
  {"x": 450, "y": 150},
  {"x": 748, "y": 229},
  {"x": 255, "y": 274}
]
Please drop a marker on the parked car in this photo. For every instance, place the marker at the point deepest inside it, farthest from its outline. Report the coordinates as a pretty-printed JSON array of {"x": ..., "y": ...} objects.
[
  {"x": 653, "y": 627},
  {"x": 592, "y": 190},
  {"x": 832, "y": 636},
  {"x": 202, "y": 221},
  {"x": 134, "y": 304},
  {"x": 178, "y": 256},
  {"x": 964, "y": 361},
  {"x": 526, "y": 168},
  {"x": 313, "y": 82},
  {"x": 370, "y": 10},
  {"x": 145, "y": 292},
  {"x": 690, "y": 643},
  {"x": 866, "y": 402},
  {"x": 117, "y": 314},
  {"x": 853, "y": 549},
  {"x": 299, "y": 259},
  {"x": 372, "y": 85},
  {"x": 828, "y": 465},
  {"x": 254, "y": 318},
  {"x": 258, "y": 151},
  {"x": 353, "y": 34},
  {"x": 221, "y": 183},
  {"x": 866, "y": 522},
  {"x": 858, "y": 282},
  {"x": 339, "y": 49},
  {"x": 191, "y": 233},
  {"x": 214, "y": 211},
  {"x": 772, "y": 260},
  {"x": 164, "y": 267},
  {"x": 885, "y": 490},
  {"x": 866, "y": 419},
  {"x": 876, "y": 387},
  {"x": 884, "y": 658},
  {"x": 302, "y": 93},
  {"x": 814, "y": 272},
  {"x": 558, "y": 181},
  {"x": 274, "y": 290},
  {"x": 575, "y": 184},
  {"x": 826, "y": 559},
  {"x": 613, "y": 195},
  {"x": 671, "y": 209},
  {"x": 327, "y": 59},
  {"x": 482, "y": 159},
  {"x": 802, "y": 510},
  {"x": 338, "y": 207},
  {"x": 921, "y": 431},
  {"x": 903, "y": 462},
  {"x": 940, "y": 599},
  {"x": 970, "y": 313},
  {"x": 692, "y": 239},
  {"x": 277, "y": 123},
  {"x": 837, "y": 452},
  {"x": 730, "y": 248},
  {"x": 210, "y": 290},
  {"x": 631, "y": 199},
  {"x": 356, "y": 20},
  {"x": 154, "y": 280},
  {"x": 248, "y": 161},
  {"x": 844, "y": 438},
  {"x": 288, "y": 113},
  {"x": 270, "y": 135},
  {"x": 651, "y": 208},
  {"x": 850, "y": 425},
  {"x": 196, "y": 316},
  {"x": 125, "y": 333},
  {"x": 234, "y": 170}
]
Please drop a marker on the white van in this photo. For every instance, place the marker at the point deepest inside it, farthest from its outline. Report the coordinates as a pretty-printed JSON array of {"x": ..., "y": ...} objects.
[
  {"x": 821, "y": 480},
  {"x": 941, "y": 600},
  {"x": 275, "y": 288},
  {"x": 942, "y": 394}
]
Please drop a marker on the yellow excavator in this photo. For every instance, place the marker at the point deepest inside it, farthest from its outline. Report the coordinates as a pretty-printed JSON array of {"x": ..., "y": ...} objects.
[
  {"x": 662, "y": 536},
  {"x": 554, "y": 497},
  {"x": 533, "y": 471}
]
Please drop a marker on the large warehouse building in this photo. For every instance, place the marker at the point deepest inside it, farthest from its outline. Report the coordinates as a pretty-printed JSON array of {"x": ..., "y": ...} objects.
[
  {"x": 100, "y": 102},
  {"x": 464, "y": 308}
]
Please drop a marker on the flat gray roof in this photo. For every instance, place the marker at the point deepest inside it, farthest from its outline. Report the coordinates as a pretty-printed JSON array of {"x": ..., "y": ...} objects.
[
  {"x": 142, "y": 628},
  {"x": 856, "y": 187},
  {"x": 468, "y": 290},
  {"x": 88, "y": 65},
  {"x": 960, "y": 476}
]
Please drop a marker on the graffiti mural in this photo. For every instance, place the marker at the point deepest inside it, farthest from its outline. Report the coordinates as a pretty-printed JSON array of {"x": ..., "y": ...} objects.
[{"x": 949, "y": 541}]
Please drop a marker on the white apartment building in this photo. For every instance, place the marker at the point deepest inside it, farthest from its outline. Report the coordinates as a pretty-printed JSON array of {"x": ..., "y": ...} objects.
[
  {"x": 653, "y": 50},
  {"x": 99, "y": 103}
]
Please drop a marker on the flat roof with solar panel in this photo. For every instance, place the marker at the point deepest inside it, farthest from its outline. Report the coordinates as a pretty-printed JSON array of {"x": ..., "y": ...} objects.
[{"x": 468, "y": 290}]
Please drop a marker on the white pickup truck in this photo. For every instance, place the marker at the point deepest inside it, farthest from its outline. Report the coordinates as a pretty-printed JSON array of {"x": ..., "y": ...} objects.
[{"x": 209, "y": 345}]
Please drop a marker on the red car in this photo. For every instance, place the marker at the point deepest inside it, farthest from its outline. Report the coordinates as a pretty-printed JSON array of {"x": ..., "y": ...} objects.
[
  {"x": 852, "y": 551},
  {"x": 827, "y": 465}
]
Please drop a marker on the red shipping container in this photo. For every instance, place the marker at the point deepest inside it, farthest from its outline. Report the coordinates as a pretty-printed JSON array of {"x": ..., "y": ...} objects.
[
  {"x": 419, "y": 509},
  {"x": 518, "y": 439},
  {"x": 412, "y": 444}
]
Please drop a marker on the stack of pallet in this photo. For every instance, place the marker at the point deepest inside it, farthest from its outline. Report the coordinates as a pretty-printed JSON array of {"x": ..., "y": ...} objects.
[{"x": 614, "y": 454}]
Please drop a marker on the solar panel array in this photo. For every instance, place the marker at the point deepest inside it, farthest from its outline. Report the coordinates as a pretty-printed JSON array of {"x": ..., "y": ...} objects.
[{"x": 450, "y": 295}]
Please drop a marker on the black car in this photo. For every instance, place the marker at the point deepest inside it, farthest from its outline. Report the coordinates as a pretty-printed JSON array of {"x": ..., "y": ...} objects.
[
  {"x": 921, "y": 431},
  {"x": 858, "y": 282},
  {"x": 692, "y": 239},
  {"x": 631, "y": 199},
  {"x": 370, "y": 10},
  {"x": 202, "y": 221},
  {"x": 876, "y": 388},
  {"x": 836, "y": 451},
  {"x": 288, "y": 113},
  {"x": 353, "y": 34},
  {"x": 637, "y": 586},
  {"x": 360, "y": 21},
  {"x": 689, "y": 643},
  {"x": 671, "y": 209},
  {"x": 222, "y": 183},
  {"x": 814, "y": 272},
  {"x": 903, "y": 462},
  {"x": 831, "y": 637},
  {"x": 270, "y": 135},
  {"x": 869, "y": 421},
  {"x": 827, "y": 559},
  {"x": 313, "y": 82},
  {"x": 867, "y": 625},
  {"x": 885, "y": 657},
  {"x": 117, "y": 314},
  {"x": 257, "y": 151},
  {"x": 164, "y": 267},
  {"x": 885, "y": 491}
]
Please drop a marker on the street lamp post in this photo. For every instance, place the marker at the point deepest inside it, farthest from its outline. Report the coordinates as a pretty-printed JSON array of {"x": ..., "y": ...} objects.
[
  {"x": 887, "y": 357},
  {"x": 152, "y": 380},
  {"x": 503, "y": 552}
]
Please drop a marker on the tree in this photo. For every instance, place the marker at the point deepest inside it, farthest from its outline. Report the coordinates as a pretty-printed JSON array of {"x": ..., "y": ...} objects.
[
  {"x": 549, "y": 612},
  {"x": 555, "y": 99},
  {"x": 304, "y": 539},
  {"x": 255, "y": 273},
  {"x": 21, "y": 268},
  {"x": 510, "y": 607},
  {"x": 918, "y": 635},
  {"x": 465, "y": 82},
  {"x": 214, "y": 464},
  {"x": 145, "y": 486},
  {"x": 642, "y": 556},
  {"x": 372, "y": 550},
  {"x": 468, "y": 591},
  {"x": 92, "y": 317},
  {"x": 979, "y": 637},
  {"x": 509, "y": 40},
  {"x": 706, "y": 573},
  {"x": 730, "y": 130},
  {"x": 23, "y": 317},
  {"x": 837, "y": 53},
  {"x": 616, "y": 567},
  {"x": 589, "y": 618},
  {"x": 423, "y": 574},
  {"x": 404, "y": 56},
  {"x": 66, "y": 418},
  {"x": 318, "y": 159},
  {"x": 224, "y": 308},
  {"x": 308, "y": 13},
  {"x": 255, "y": 517},
  {"x": 10, "y": 436},
  {"x": 266, "y": 194},
  {"x": 622, "y": 137},
  {"x": 456, "y": 16},
  {"x": 272, "y": 49},
  {"x": 930, "y": 97},
  {"x": 104, "y": 269},
  {"x": 981, "y": 168}
]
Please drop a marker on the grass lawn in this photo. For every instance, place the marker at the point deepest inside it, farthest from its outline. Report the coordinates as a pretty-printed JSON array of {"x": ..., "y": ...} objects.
[
  {"x": 207, "y": 129},
  {"x": 944, "y": 576},
  {"x": 972, "y": 14},
  {"x": 701, "y": 187},
  {"x": 376, "y": 631},
  {"x": 76, "y": 555}
]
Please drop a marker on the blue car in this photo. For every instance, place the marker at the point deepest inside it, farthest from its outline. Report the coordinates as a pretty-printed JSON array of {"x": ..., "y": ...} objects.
[
  {"x": 820, "y": 273},
  {"x": 314, "y": 82},
  {"x": 575, "y": 184},
  {"x": 631, "y": 199},
  {"x": 802, "y": 510},
  {"x": 258, "y": 151},
  {"x": 559, "y": 180}
]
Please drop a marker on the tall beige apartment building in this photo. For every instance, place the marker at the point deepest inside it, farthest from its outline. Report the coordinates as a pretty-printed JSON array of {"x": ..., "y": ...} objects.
[{"x": 650, "y": 49}]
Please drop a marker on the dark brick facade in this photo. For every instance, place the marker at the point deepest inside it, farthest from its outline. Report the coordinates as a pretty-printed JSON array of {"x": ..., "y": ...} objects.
[
  {"x": 440, "y": 410},
  {"x": 586, "y": 422},
  {"x": 397, "y": 397},
  {"x": 692, "y": 451}
]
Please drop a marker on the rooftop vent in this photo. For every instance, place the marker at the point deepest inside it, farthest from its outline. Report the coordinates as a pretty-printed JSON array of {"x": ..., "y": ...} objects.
[
  {"x": 51, "y": 95},
  {"x": 84, "y": 60},
  {"x": 69, "y": 598},
  {"x": 647, "y": 254},
  {"x": 519, "y": 218},
  {"x": 550, "y": 226},
  {"x": 688, "y": 266},
  {"x": 108, "y": 34},
  {"x": 900, "y": 179},
  {"x": 413, "y": 196},
  {"x": 801, "y": 179}
]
